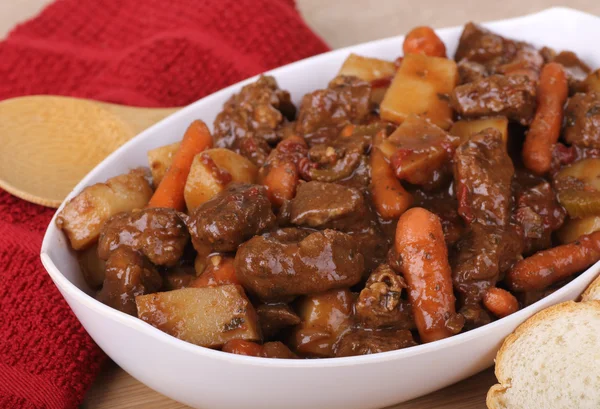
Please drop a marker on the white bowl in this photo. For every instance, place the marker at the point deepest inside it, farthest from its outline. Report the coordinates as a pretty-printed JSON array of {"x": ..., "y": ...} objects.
[{"x": 204, "y": 378}]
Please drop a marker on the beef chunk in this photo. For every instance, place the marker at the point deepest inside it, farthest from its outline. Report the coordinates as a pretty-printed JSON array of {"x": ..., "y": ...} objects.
[
  {"x": 230, "y": 218},
  {"x": 583, "y": 120},
  {"x": 483, "y": 172},
  {"x": 444, "y": 205},
  {"x": 321, "y": 205},
  {"x": 470, "y": 71},
  {"x": 158, "y": 233},
  {"x": 380, "y": 305},
  {"x": 512, "y": 96},
  {"x": 333, "y": 206},
  {"x": 338, "y": 159},
  {"x": 323, "y": 112},
  {"x": 128, "y": 274},
  {"x": 274, "y": 317},
  {"x": 498, "y": 55},
  {"x": 361, "y": 341},
  {"x": 539, "y": 214},
  {"x": 576, "y": 70},
  {"x": 251, "y": 121},
  {"x": 480, "y": 45},
  {"x": 278, "y": 271}
]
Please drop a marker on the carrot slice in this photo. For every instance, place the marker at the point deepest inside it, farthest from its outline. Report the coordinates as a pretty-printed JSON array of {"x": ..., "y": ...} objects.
[{"x": 170, "y": 190}]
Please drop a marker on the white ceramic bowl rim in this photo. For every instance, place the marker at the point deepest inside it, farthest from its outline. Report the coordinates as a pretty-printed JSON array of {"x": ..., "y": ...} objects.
[{"x": 146, "y": 328}]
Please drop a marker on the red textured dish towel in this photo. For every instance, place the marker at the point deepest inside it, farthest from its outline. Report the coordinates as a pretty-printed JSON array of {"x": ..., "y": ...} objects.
[{"x": 135, "y": 52}]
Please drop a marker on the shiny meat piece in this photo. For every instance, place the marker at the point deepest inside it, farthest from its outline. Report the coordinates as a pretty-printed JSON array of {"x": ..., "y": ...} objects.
[
  {"x": 158, "y": 233},
  {"x": 470, "y": 71},
  {"x": 345, "y": 100},
  {"x": 483, "y": 173},
  {"x": 361, "y": 341},
  {"x": 319, "y": 204},
  {"x": 278, "y": 271},
  {"x": 582, "y": 115},
  {"x": 127, "y": 275},
  {"x": 444, "y": 205},
  {"x": 380, "y": 305},
  {"x": 230, "y": 218},
  {"x": 511, "y": 96},
  {"x": 480, "y": 45},
  {"x": 498, "y": 55},
  {"x": 575, "y": 69},
  {"x": 539, "y": 214},
  {"x": 274, "y": 317},
  {"x": 339, "y": 158},
  {"x": 251, "y": 120}
]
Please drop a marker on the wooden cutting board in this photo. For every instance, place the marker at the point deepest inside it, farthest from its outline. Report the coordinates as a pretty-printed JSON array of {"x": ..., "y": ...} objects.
[{"x": 115, "y": 389}]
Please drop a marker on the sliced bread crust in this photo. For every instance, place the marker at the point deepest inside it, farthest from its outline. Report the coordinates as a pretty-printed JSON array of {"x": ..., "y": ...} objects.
[
  {"x": 533, "y": 374},
  {"x": 592, "y": 292}
]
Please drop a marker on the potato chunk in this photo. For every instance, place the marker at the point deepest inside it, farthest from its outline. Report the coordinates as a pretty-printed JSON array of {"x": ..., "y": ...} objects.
[
  {"x": 366, "y": 68},
  {"x": 592, "y": 82},
  {"x": 208, "y": 316},
  {"x": 575, "y": 228},
  {"x": 378, "y": 72},
  {"x": 421, "y": 86},
  {"x": 160, "y": 160},
  {"x": 85, "y": 214},
  {"x": 212, "y": 171},
  {"x": 466, "y": 128},
  {"x": 578, "y": 188}
]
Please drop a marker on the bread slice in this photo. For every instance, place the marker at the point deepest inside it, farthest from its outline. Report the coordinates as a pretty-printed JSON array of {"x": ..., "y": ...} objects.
[
  {"x": 593, "y": 291},
  {"x": 551, "y": 361}
]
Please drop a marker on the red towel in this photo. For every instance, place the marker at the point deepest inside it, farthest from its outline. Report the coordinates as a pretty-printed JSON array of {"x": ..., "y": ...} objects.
[{"x": 136, "y": 52}]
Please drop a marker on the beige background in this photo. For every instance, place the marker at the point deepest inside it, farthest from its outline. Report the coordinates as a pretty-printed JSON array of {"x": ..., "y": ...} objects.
[{"x": 340, "y": 23}]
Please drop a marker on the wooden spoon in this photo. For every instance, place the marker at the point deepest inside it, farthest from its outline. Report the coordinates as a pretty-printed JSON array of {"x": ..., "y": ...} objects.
[{"x": 49, "y": 143}]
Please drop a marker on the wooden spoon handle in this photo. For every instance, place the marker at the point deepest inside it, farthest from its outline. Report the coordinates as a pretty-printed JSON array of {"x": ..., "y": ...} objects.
[{"x": 138, "y": 119}]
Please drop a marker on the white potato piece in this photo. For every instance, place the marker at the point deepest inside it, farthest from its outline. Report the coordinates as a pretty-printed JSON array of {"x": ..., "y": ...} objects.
[
  {"x": 367, "y": 68},
  {"x": 378, "y": 72},
  {"x": 83, "y": 216},
  {"x": 575, "y": 228},
  {"x": 160, "y": 160},
  {"x": 585, "y": 170},
  {"x": 592, "y": 82},
  {"x": 421, "y": 86},
  {"x": 211, "y": 172},
  {"x": 467, "y": 128},
  {"x": 208, "y": 316}
]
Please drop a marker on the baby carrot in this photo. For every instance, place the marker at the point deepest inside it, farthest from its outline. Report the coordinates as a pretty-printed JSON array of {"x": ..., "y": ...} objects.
[
  {"x": 423, "y": 40},
  {"x": 546, "y": 267},
  {"x": 420, "y": 244},
  {"x": 170, "y": 190},
  {"x": 552, "y": 92},
  {"x": 280, "y": 173},
  {"x": 500, "y": 302},
  {"x": 389, "y": 197}
]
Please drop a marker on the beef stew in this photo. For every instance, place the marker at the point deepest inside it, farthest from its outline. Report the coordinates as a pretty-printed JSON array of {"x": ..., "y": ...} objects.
[{"x": 395, "y": 207}]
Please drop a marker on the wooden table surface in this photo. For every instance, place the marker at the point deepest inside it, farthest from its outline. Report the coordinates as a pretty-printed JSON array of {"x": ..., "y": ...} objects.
[
  {"x": 340, "y": 23},
  {"x": 114, "y": 389}
]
